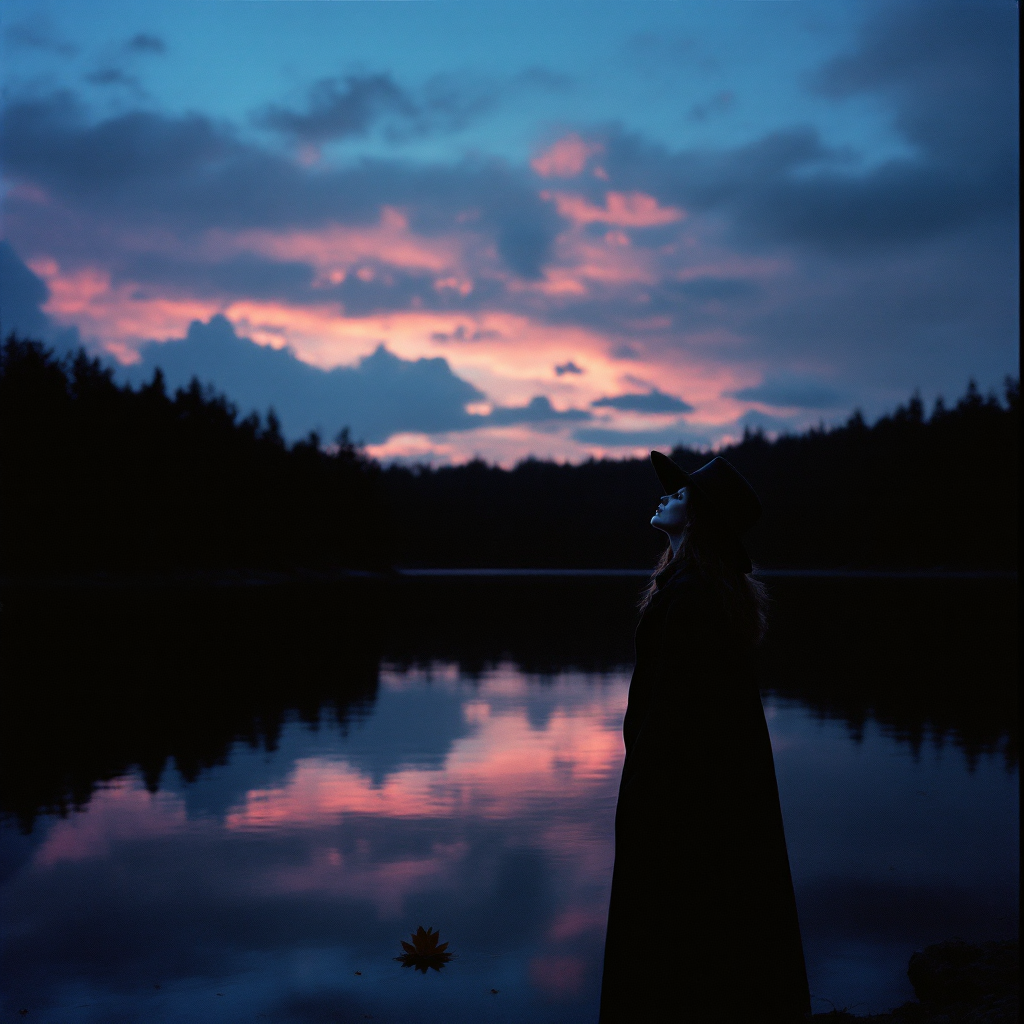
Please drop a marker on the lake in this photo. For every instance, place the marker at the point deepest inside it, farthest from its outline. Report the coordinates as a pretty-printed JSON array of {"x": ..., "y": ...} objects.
[{"x": 233, "y": 804}]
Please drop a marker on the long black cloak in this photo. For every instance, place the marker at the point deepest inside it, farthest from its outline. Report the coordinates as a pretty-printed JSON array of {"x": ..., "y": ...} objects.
[{"x": 702, "y": 925}]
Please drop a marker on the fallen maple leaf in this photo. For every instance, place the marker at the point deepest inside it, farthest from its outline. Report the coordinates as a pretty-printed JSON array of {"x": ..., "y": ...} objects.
[{"x": 424, "y": 951}]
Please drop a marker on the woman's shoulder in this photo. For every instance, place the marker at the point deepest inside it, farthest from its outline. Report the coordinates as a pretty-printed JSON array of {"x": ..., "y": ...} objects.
[{"x": 681, "y": 581}]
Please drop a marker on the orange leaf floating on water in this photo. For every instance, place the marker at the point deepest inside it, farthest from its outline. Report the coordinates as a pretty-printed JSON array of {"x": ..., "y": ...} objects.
[{"x": 425, "y": 951}]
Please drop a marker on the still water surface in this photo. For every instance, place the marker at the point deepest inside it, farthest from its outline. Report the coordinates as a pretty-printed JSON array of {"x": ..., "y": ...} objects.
[{"x": 277, "y": 885}]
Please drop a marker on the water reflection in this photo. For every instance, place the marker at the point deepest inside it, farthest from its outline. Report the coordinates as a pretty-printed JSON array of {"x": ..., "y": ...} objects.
[
  {"x": 502, "y": 843},
  {"x": 515, "y": 751},
  {"x": 336, "y": 785}
]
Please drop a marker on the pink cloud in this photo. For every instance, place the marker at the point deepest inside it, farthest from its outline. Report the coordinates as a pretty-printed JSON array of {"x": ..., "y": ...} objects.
[
  {"x": 566, "y": 158},
  {"x": 456, "y": 284},
  {"x": 512, "y": 364},
  {"x": 120, "y": 315},
  {"x": 511, "y": 361},
  {"x": 622, "y": 209},
  {"x": 337, "y": 247},
  {"x": 515, "y": 341}
]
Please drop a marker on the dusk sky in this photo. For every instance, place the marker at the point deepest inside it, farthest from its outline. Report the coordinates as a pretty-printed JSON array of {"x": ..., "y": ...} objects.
[{"x": 504, "y": 228}]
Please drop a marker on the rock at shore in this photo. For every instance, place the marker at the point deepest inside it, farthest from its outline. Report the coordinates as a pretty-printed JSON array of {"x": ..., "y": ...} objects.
[{"x": 956, "y": 982}]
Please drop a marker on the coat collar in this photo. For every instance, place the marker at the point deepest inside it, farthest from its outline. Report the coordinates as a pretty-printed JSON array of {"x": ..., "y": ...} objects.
[{"x": 670, "y": 574}]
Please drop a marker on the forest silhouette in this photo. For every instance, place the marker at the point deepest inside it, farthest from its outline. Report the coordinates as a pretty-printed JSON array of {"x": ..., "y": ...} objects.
[
  {"x": 102, "y": 477},
  {"x": 98, "y": 476},
  {"x": 910, "y": 491}
]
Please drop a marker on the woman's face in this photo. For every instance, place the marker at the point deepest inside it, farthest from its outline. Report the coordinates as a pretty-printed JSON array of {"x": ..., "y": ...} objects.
[{"x": 671, "y": 514}]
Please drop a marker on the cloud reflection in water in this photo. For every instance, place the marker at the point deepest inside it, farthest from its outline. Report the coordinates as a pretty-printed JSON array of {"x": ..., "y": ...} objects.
[
  {"x": 500, "y": 770},
  {"x": 481, "y": 804}
]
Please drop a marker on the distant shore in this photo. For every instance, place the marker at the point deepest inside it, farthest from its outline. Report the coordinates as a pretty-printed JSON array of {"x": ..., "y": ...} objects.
[{"x": 284, "y": 577}]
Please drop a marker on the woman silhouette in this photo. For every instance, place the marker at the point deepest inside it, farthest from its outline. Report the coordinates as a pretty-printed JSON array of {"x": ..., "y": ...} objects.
[{"x": 702, "y": 925}]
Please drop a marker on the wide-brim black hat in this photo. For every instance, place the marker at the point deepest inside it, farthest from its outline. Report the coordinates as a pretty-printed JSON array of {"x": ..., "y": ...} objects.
[{"x": 731, "y": 499}]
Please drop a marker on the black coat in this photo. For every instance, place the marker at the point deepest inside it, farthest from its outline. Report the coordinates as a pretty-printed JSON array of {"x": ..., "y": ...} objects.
[{"x": 702, "y": 925}]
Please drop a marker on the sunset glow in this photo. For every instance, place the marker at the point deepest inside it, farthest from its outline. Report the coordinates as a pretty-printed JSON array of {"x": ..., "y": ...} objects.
[
  {"x": 565, "y": 158},
  {"x": 719, "y": 200}
]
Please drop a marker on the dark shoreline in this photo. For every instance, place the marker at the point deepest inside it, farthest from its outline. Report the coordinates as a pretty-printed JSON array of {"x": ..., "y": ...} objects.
[
  {"x": 956, "y": 982},
  {"x": 299, "y": 576}
]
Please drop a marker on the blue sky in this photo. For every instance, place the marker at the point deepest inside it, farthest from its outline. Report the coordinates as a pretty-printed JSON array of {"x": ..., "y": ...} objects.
[{"x": 772, "y": 212}]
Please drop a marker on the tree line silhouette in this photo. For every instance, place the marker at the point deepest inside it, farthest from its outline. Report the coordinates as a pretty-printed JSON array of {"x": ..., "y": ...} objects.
[
  {"x": 98, "y": 476},
  {"x": 908, "y": 491}
]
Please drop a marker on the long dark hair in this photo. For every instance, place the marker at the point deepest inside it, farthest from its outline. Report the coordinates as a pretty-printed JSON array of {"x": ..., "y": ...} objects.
[{"x": 744, "y": 597}]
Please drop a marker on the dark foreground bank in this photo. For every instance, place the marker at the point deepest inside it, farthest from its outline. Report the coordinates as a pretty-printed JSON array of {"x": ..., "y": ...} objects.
[{"x": 956, "y": 982}]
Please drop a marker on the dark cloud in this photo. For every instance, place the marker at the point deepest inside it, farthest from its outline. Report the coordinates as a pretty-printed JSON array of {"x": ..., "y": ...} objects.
[
  {"x": 146, "y": 42},
  {"x": 243, "y": 275},
  {"x": 792, "y": 392},
  {"x": 382, "y": 395},
  {"x": 537, "y": 410},
  {"x": 39, "y": 33},
  {"x": 949, "y": 69},
  {"x": 626, "y": 351},
  {"x": 538, "y": 77},
  {"x": 391, "y": 289},
  {"x": 788, "y": 188},
  {"x": 947, "y": 73},
  {"x": 187, "y": 174},
  {"x": 22, "y": 296},
  {"x": 895, "y": 275},
  {"x": 353, "y": 105},
  {"x": 416, "y": 728},
  {"x": 113, "y": 76},
  {"x": 463, "y": 333},
  {"x": 928, "y": 319},
  {"x": 714, "y": 289},
  {"x": 569, "y": 367},
  {"x": 338, "y": 108},
  {"x": 524, "y": 241},
  {"x": 251, "y": 276},
  {"x": 654, "y": 401},
  {"x": 144, "y": 157},
  {"x": 891, "y": 268},
  {"x": 452, "y": 102},
  {"x": 721, "y": 103}
]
